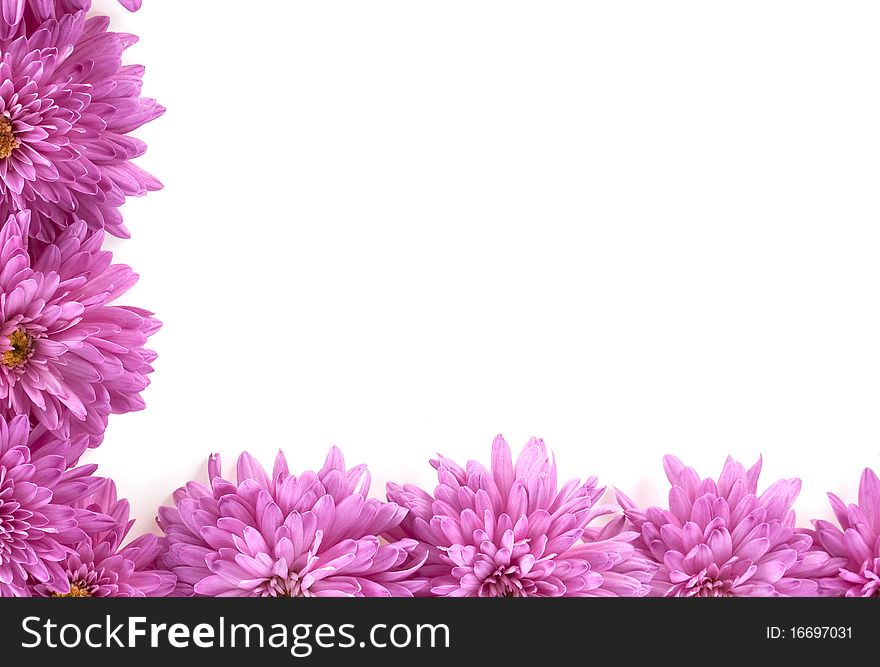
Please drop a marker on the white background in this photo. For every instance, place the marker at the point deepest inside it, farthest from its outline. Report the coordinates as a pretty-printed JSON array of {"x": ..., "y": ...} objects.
[{"x": 402, "y": 227}]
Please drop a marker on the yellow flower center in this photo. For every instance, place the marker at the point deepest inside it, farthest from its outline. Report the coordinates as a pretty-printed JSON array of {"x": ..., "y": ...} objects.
[
  {"x": 20, "y": 352},
  {"x": 75, "y": 592},
  {"x": 8, "y": 142}
]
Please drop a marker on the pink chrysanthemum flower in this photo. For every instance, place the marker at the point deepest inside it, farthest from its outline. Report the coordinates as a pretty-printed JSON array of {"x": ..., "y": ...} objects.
[
  {"x": 855, "y": 545},
  {"x": 315, "y": 535},
  {"x": 67, "y": 106},
  {"x": 510, "y": 532},
  {"x": 19, "y": 17},
  {"x": 722, "y": 539},
  {"x": 38, "y": 519},
  {"x": 67, "y": 359},
  {"x": 100, "y": 566}
]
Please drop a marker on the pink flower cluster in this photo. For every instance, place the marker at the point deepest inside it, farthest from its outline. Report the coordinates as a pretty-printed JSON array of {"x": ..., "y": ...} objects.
[
  {"x": 510, "y": 529},
  {"x": 70, "y": 357}
]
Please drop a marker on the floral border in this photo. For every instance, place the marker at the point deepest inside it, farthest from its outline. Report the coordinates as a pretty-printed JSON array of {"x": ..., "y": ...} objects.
[{"x": 69, "y": 359}]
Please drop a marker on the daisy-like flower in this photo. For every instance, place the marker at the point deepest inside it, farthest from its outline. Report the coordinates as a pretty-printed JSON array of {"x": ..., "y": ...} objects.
[
  {"x": 67, "y": 106},
  {"x": 68, "y": 360},
  {"x": 855, "y": 545},
  {"x": 509, "y": 531},
  {"x": 722, "y": 539},
  {"x": 313, "y": 535},
  {"x": 38, "y": 519},
  {"x": 99, "y": 566},
  {"x": 23, "y": 16}
]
